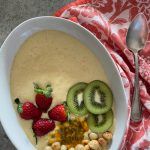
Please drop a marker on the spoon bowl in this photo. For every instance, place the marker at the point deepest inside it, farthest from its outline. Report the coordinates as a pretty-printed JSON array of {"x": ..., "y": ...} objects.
[{"x": 137, "y": 33}]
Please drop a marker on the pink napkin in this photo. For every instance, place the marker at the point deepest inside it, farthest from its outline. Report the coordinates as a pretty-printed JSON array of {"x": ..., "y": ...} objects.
[{"x": 109, "y": 20}]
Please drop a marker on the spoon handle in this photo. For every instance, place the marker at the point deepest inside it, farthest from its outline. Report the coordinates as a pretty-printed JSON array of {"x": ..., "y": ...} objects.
[{"x": 136, "y": 106}]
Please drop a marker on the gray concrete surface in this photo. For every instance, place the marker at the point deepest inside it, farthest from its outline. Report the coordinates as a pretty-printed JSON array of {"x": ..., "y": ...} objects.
[{"x": 12, "y": 13}]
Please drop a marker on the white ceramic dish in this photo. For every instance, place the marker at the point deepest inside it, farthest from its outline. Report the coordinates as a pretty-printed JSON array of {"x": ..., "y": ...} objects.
[{"x": 8, "y": 50}]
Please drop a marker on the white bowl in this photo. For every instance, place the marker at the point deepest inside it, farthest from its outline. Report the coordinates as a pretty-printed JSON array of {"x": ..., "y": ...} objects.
[{"x": 10, "y": 47}]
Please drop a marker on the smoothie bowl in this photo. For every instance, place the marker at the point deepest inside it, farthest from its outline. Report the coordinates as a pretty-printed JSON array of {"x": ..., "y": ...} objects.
[{"x": 60, "y": 89}]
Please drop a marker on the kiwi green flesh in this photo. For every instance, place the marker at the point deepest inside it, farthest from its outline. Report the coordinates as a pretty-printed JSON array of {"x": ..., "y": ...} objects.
[
  {"x": 104, "y": 125},
  {"x": 72, "y": 99},
  {"x": 106, "y": 97}
]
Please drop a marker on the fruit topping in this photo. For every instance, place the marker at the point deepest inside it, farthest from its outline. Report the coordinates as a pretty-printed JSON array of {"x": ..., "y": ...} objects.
[
  {"x": 43, "y": 126},
  {"x": 100, "y": 123},
  {"x": 58, "y": 113},
  {"x": 28, "y": 110},
  {"x": 43, "y": 97},
  {"x": 75, "y": 100},
  {"x": 103, "y": 102}
]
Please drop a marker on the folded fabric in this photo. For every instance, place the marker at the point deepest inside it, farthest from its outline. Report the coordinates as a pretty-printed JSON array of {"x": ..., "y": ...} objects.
[{"x": 108, "y": 20}]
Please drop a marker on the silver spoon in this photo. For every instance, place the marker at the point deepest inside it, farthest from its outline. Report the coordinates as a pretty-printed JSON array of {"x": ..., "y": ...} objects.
[{"x": 136, "y": 38}]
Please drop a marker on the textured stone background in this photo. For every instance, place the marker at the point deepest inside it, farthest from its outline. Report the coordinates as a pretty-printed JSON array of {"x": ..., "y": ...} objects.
[{"x": 12, "y": 13}]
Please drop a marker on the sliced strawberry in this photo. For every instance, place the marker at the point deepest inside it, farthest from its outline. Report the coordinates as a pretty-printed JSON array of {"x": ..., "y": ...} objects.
[
  {"x": 58, "y": 113},
  {"x": 43, "y": 97},
  {"x": 28, "y": 110},
  {"x": 43, "y": 126}
]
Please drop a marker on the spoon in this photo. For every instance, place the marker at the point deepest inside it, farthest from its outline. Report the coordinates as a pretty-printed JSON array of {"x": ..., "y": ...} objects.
[{"x": 136, "y": 38}]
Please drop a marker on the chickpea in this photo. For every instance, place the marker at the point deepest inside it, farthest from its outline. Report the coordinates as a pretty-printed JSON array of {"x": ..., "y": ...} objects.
[
  {"x": 102, "y": 142},
  {"x": 79, "y": 147},
  {"x": 93, "y": 136},
  {"x": 94, "y": 145},
  {"x": 63, "y": 147},
  {"x": 48, "y": 148},
  {"x": 56, "y": 146},
  {"x": 85, "y": 142},
  {"x": 107, "y": 135}
]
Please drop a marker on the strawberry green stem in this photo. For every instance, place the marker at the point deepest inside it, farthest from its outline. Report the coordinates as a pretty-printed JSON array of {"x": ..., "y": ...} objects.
[
  {"x": 17, "y": 101},
  {"x": 19, "y": 108},
  {"x": 65, "y": 104},
  {"x": 47, "y": 91}
]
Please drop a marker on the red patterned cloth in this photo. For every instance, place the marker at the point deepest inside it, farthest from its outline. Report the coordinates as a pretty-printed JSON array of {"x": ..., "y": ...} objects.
[{"x": 109, "y": 20}]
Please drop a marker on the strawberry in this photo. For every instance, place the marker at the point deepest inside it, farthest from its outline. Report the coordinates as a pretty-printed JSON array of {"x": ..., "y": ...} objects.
[
  {"x": 58, "y": 113},
  {"x": 43, "y": 126},
  {"x": 43, "y": 97},
  {"x": 28, "y": 110}
]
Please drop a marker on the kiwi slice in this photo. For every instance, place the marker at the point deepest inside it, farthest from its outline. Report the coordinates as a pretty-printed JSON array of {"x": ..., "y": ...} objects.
[
  {"x": 105, "y": 99},
  {"x": 76, "y": 105},
  {"x": 100, "y": 123}
]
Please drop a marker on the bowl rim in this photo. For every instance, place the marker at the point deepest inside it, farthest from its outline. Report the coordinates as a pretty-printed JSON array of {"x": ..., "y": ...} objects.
[{"x": 5, "y": 126}]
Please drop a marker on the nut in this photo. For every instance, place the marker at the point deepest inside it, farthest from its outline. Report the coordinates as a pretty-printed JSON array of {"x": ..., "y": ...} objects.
[
  {"x": 102, "y": 142},
  {"x": 107, "y": 135},
  {"x": 48, "y": 148},
  {"x": 63, "y": 147},
  {"x": 94, "y": 145},
  {"x": 86, "y": 147},
  {"x": 56, "y": 146},
  {"x": 85, "y": 142},
  {"x": 79, "y": 147},
  {"x": 93, "y": 136}
]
